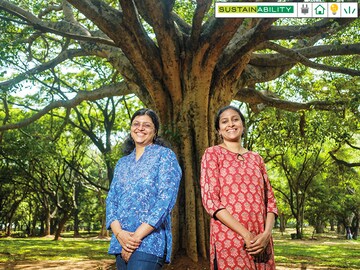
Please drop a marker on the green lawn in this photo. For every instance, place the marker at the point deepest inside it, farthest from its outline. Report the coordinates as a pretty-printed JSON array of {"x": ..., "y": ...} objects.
[
  {"x": 46, "y": 249},
  {"x": 326, "y": 250}
]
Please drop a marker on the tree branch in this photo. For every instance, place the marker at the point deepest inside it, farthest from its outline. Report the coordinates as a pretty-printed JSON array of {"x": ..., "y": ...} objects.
[
  {"x": 214, "y": 39},
  {"x": 352, "y": 146},
  {"x": 266, "y": 67},
  {"x": 254, "y": 97},
  {"x": 308, "y": 30},
  {"x": 89, "y": 179},
  {"x": 183, "y": 26},
  {"x": 118, "y": 89},
  {"x": 158, "y": 15},
  {"x": 295, "y": 56},
  {"x": 271, "y": 60},
  {"x": 125, "y": 28},
  {"x": 343, "y": 162},
  {"x": 242, "y": 46},
  {"x": 201, "y": 8},
  {"x": 51, "y": 27},
  {"x": 63, "y": 56}
]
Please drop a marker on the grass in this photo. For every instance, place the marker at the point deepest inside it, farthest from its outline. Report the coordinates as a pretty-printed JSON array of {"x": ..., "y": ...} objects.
[
  {"x": 327, "y": 250},
  {"x": 44, "y": 248}
]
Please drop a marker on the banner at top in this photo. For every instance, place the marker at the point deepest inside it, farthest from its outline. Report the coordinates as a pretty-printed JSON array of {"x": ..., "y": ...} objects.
[{"x": 286, "y": 10}]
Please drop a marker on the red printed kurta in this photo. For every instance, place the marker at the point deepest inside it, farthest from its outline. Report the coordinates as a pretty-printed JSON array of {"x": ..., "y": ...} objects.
[{"x": 238, "y": 186}]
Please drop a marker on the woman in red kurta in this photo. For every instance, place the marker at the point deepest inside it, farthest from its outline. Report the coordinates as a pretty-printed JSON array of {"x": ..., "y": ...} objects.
[{"x": 237, "y": 194}]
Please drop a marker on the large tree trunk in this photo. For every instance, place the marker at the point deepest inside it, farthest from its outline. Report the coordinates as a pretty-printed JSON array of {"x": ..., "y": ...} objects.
[
  {"x": 192, "y": 227},
  {"x": 190, "y": 138}
]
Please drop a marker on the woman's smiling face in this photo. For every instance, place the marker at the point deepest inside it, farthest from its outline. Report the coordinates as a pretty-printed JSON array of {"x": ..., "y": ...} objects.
[
  {"x": 142, "y": 130},
  {"x": 230, "y": 126}
]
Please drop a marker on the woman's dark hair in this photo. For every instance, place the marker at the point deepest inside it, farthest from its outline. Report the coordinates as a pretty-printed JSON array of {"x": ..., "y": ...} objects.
[
  {"x": 129, "y": 144},
  {"x": 223, "y": 109}
]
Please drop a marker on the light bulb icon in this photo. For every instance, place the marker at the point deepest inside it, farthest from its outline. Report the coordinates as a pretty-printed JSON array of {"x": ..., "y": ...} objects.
[{"x": 334, "y": 8}]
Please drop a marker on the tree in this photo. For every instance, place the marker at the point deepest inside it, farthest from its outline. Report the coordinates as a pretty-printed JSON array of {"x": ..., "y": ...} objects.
[
  {"x": 296, "y": 150},
  {"x": 12, "y": 195},
  {"x": 185, "y": 65},
  {"x": 102, "y": 121}
]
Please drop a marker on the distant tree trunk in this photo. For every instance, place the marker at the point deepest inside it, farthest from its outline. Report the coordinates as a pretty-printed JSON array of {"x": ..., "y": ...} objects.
[
  {"x": 76, "y": 223},
  {"x": 340, "y": 227},
  {"x": 8, "y": 229},
  {"x": 42, "y": 228},
  {"x": 76, "y": 209},
  {"x": 332, "y": 225},
  {"x": 282, "y": 222},
  {"x": 319, "y": 227},
  {"x": 9, "y": 221},
  {"x": 33, "y": 227},
  {"x": 47, "y": 230},
  {"x": 61, "y": 225},
  {"x": 298, "y": 226},
  {"x": 355, "y": 226},
  {"x": 103, "y": 231}
]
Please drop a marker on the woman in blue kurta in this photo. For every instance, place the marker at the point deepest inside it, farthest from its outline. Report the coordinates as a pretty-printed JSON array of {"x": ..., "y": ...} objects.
[{"x": 141, "y": 197}]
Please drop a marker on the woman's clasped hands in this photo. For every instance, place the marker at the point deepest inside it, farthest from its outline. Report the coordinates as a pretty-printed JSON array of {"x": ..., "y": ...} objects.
[
  {"x": 256, "y": 244},
  {"x": 128, "y": 242}
]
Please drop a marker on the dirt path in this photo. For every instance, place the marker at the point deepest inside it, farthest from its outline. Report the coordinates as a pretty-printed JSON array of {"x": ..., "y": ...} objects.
[
  {"x": 179, "y": 264},
  {"x": 61, "y": 265}
]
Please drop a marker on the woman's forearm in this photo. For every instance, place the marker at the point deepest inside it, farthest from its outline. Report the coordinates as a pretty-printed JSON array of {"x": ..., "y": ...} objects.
[
  {"x": 116, "y": 227},
  {"x": 143, "y": 230},
  {"x": 270, "y": 222},
  {"x": 226, "y": 218}
]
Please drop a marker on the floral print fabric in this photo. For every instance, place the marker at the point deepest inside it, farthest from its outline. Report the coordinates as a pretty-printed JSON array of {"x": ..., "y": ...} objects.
[
  {"x": 237, "y": 185},
  {"x": 145, "y": 191}
]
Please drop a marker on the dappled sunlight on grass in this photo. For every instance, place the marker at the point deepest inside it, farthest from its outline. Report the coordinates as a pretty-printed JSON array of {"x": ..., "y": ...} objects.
[
  {"x": 327, "y": 250},
  {"x": 47, "y": 249}
]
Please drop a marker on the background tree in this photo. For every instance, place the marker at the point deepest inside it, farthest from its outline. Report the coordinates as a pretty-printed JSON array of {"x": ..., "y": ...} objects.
[{"x": 185, "y": 65}]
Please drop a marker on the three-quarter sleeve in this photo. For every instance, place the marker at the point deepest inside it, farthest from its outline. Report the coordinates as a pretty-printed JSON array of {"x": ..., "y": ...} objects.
[
  {"x": 271, "y": 202},
  {"x": 169, "y": 176},
  {"x": 209, "y": 182},
  {"x": 111, "y": 201}
]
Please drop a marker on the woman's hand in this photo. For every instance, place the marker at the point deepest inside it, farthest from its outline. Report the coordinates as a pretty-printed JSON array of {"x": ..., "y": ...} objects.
[
  {"x": 125, "y": 255},
  {"x": 258, "y": 244},
  {"x": 127, "y": 240},
  {"x": 248, "y": 237}
]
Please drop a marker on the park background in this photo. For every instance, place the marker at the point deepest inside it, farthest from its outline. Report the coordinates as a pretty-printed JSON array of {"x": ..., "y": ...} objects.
[{"x": 72, "y": 72}]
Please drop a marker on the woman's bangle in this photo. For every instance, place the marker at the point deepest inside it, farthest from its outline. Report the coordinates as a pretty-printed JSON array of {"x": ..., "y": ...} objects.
[{"x": 116, "y": 236}]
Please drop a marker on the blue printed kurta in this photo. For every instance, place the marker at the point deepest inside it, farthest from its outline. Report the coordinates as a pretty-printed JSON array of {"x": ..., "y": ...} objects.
[{"x": 145, "y": 191}]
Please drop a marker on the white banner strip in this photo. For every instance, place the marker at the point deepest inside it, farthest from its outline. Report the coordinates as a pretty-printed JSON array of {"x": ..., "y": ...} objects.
[{"x": 286, "y": 10}]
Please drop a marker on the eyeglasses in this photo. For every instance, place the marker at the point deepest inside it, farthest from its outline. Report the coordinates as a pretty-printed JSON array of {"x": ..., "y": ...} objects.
[{"x": 145, "y": 125}]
